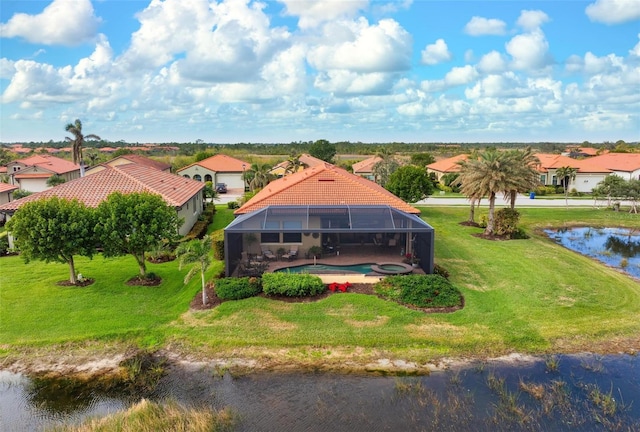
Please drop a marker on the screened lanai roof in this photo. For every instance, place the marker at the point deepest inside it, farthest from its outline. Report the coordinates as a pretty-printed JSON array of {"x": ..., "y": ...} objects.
[{"x": 328, "y": 218}]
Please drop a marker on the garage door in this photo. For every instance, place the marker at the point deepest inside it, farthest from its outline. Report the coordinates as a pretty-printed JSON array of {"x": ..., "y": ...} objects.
[{"x": 233, "y": 181}]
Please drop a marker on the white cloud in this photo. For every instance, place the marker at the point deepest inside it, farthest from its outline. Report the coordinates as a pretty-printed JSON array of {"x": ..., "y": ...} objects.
[
  {"x": 492, "y": 62},
  {"x": 436, "y": 53},
  {"x": 635, "y": 51},
  {"x": 529, "y": 51},
  {"x": 532, "y": 19},
  {"x": 613, "y": 11},
  {"x": 63, "y": 22},
  {"x": 460, "y": 76},
  {"x": 7, "y": 68},
  {"x": 312, "y": 13},
  {"x": 385, "y": 47},
  {"x": 347, "y": 82},
  {"x": 479, "y": 26}
]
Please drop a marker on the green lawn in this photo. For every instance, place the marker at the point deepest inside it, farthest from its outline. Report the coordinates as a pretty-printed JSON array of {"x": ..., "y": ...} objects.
[{"x": 522, "y": 295}]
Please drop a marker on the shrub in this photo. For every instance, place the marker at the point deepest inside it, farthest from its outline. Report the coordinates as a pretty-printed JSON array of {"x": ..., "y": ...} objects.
[
  {"x": 198, "y": 231},
  {"x": 218, "y": 244},
  {"x": 420, "y": 290},
  {"x": 506, "y": 221},
  {"x": 4, "y": 243},
  {"x": 238, "y": 288},
  {"x": 439, "y": 270},
  {"x": 292, "y": 285},
  {"x": 232, "y": 205}
]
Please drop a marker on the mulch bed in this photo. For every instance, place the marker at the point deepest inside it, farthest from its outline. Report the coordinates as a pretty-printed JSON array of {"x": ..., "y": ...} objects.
[
  {"x": 469, "y": 223},
  {"x": 142, "y": 281},
  {"x": 358, "y": 288},
  {"x": 84, "y": 283}
]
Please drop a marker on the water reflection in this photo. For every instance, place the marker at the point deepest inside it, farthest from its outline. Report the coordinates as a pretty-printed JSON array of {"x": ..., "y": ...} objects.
[
  {"x": 561, "y": 393},
  {"x": 616, "y": 247}
]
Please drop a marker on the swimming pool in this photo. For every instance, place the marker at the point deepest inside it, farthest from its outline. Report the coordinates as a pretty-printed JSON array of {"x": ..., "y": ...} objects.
[
  {"x": 367, "y": 268},
  {"x": 328, "y": 269}
]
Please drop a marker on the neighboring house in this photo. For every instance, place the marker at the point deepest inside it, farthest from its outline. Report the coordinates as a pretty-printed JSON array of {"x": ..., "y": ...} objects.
[
  {"x": 307, "y": 160},
  {"x": 218, "y": 169},
  {"x": 446, "y": 166},
  {"x": 326, "y": 206},
  {"x": 31, "y": 174},
  {"x": 183, "y": 194},
  {"x": 590, "y": 171},
  {"x": 6, "y": 191},
  {"x": 131, "y": 158},
  {"x": 364, "y": 168}
]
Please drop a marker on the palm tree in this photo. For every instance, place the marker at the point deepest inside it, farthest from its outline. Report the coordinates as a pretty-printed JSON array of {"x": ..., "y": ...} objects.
[
  {"x": 260, "y": 176},
  {"x": 294, "y": 164},
  {"x": 78, "y": 139},
  {"x": 487, "y": 175},
  {"x": 198, "y": 253},
  {"x": 524, "y": 176},
  {"x": 567, "y": 174}
]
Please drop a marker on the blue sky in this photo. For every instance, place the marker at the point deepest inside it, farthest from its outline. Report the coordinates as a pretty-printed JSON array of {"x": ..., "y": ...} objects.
[{"x": 303, "y": 70}]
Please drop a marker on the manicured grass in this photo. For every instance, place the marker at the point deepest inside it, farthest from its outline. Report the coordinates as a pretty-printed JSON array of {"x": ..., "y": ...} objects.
[{"x": 521, "y": 295}]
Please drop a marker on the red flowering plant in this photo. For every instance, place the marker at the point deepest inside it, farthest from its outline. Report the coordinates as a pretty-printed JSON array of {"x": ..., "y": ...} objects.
[{"x": 335, "y": 286}]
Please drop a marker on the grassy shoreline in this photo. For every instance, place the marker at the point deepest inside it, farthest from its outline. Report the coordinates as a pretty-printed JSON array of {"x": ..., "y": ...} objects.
[{"x": 528, "y": 296}]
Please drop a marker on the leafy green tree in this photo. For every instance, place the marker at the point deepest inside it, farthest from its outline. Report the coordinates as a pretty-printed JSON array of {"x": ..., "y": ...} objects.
[
  {"x": 451, "y": 180},
  {"x": 422, "y": 159},
  {"x": 611, "y": 187},
  {"x": 20, "y": 193},
  {"x": 567, "y": 174},
  {"x": 78, "y": 139},
  {"x": 485, "y": 176},
  {"x": 209, "y": 191},
  {"x": 323, "y": 149},
  {"x": 55, "y": 180},
  {"x": 54, "y": 230},
  {"x": 198, "y": 253},
  {"x": 134, "y": 224},
  {"x": 410, "y": 183}
]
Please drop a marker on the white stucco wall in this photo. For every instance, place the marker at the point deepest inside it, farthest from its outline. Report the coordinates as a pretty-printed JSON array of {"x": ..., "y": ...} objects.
[
  {"x": 33, "y": 184},
  {"x": 586, "y": 182},
  {"x": 190, "y": 212},
  {"x": 194, "y": 170},
  {"x": 633, "y": 175}
]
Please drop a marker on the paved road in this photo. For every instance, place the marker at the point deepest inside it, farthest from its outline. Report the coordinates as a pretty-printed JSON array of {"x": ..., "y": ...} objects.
[{"x": 521, "y": 201}]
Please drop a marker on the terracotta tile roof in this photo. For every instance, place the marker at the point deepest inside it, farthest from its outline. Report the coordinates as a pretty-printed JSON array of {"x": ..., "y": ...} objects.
[
  {"x": 4, "y": 187},
  {"x": 325, "y": 184},
  {"x": 448, "y": 165},
  {"x": 51, "y": 163},
  {"x": 626, "y": 162},
  {"x": 93, "y": 189},
  {"x": 142, "y": 160},
  {"x": 32, "y": 175},
  {"x": 554, "y": 161},
  {"x": 366, "y": 166},
  {"x": 221, "y": 163}
]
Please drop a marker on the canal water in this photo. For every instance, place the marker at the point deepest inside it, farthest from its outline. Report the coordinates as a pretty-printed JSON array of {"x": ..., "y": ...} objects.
[
  {"x": 558, "y": 393},
  {"x": 615, "y": 247}
]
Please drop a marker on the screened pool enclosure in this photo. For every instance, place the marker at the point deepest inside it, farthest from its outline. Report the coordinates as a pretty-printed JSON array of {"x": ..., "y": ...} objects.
[{"x": 330, "y": 229}]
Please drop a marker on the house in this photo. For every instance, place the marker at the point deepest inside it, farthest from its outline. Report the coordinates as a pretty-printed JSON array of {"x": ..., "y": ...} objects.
[
  {"x": 131, "y": 158},
  {"x": 446, "y": 166},
  {"x": 329, "y": 208},
  {"x": 589, "y": 171},
  {"x": 183, "y": 194},
  {"x": 6, "y": 191},
  {"x": 218, "y": 169},
  {"x": 364, "y": 168},
  {"x": 31, "y": 173},
  {"x": 308, "y": 161}
]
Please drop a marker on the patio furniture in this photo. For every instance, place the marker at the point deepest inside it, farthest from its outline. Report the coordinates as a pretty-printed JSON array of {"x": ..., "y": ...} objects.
[
  {"x": 269, "y": 255},
  {"x": 292, "y": 254}
]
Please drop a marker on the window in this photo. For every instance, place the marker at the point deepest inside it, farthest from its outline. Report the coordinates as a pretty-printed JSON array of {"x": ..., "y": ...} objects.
[
  {"x": 208, "y": 177},
  {"x": 197, "y": 177},
  {"x": 186, "y": 176},
  {"x": 273, "y": 237},
  {"x": 554, "y": 181},
  {"x": 292, "y": 237},
  {"x": 543, "y": 179}
]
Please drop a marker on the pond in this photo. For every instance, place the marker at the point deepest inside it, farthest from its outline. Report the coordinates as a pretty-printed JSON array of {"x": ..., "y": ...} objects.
[
  {"x": 615, "y": 247},
  {"x": 560, "y": 393}
]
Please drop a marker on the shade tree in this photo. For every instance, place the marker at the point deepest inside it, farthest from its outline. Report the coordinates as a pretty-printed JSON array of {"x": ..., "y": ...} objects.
[
  {"x": 133, "y": 224},
  {"x": 54, "y": 230},
  {"x": 410, "y": 183}
]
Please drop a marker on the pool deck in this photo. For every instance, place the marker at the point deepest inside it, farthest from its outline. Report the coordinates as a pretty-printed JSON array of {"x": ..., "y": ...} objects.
[{"x": 349, "y": 255}]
